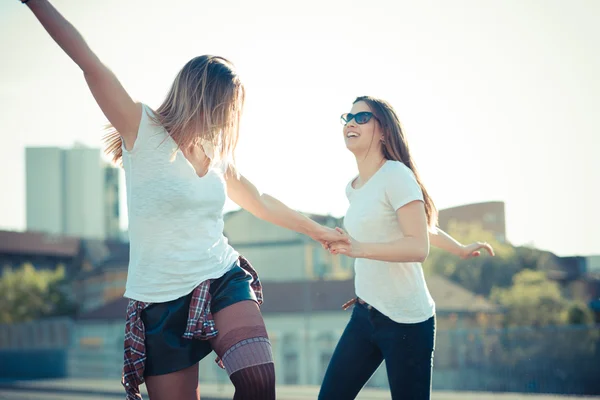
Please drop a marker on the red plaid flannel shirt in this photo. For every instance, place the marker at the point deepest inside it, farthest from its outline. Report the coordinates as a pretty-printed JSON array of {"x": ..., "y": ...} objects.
[{"x": 200, "y": 325}]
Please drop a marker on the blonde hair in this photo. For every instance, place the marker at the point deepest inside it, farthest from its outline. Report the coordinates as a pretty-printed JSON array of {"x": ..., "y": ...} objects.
[{"x": 204, "y": 103}]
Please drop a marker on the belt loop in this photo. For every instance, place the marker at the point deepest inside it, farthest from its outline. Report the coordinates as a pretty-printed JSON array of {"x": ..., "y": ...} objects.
[{"x": 361, "y": 301}]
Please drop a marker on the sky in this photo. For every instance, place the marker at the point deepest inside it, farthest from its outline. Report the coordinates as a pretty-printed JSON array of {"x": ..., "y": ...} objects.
[{"x": 499, "y": 99}]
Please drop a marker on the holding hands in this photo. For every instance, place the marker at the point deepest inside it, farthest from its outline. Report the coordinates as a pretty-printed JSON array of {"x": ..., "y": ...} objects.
[
  {"x": 337, "y": 241},
  {"x": 346, "y": 245}
]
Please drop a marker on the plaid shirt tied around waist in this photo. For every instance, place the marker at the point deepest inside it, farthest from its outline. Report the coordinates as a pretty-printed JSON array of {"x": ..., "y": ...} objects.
[{"x": 200, "y": 326}]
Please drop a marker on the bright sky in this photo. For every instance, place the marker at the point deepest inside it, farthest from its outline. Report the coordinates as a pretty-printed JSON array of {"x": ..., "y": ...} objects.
[{"x": 499, "y": 99}]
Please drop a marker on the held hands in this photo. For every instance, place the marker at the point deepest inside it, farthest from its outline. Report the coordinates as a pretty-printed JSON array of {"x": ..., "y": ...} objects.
[
  {"x": 346, "y": 245},
  {"x": 325, "y": 236}
]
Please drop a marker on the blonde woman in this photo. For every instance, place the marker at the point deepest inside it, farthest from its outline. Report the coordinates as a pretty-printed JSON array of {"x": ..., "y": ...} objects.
[
  {"x": 190, "y": 292},
  {"x": 391, "y": 222}
]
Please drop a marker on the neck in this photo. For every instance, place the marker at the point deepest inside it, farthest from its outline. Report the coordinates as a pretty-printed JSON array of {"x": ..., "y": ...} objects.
[{"x": 369, "y": 164}]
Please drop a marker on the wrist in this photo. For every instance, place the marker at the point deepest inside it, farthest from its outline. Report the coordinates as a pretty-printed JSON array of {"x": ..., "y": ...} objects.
[{"x": 310, "y": 228}]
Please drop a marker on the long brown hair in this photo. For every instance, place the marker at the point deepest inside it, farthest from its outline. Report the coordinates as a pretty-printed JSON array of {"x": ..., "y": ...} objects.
[
  {"x": 395, "y": 147},
  {"x": 204, "y": 103}
]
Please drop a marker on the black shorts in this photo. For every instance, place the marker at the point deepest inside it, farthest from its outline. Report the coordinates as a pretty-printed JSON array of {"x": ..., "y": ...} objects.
[{"x": 166, "y": 350}]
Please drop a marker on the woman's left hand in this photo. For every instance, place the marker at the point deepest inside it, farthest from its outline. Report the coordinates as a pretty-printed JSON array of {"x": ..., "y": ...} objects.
[
  {"x": 348, "y": 247},
  {"x": 474, "y": 250}
]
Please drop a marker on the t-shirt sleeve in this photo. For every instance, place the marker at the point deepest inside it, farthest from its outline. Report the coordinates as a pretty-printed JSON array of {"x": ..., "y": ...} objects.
[
  {"x": 145, "y": 130},
  {"x": 401, "y": 186}
]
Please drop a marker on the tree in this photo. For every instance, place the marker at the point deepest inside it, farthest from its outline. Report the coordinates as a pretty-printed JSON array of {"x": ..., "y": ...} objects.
[
  {"x": 515, "y": 278},
  {"x": 534, "y": 300},
  {"x": 29, "y": 294},
  {"x": 478, "y": 274}
]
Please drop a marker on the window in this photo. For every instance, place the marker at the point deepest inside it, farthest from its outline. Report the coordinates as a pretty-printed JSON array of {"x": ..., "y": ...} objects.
[{"x": 291, "y": 361}]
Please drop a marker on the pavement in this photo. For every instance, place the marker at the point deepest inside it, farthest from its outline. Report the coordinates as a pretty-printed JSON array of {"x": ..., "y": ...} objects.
[{"x": 97, "y": 389}]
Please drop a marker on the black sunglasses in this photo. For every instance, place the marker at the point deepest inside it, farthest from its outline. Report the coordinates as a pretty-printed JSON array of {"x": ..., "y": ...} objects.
[{"x": 360, "y": 118}]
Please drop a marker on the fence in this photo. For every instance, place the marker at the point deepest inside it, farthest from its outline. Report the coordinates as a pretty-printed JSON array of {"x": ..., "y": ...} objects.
[
  {"x": 35, "y": 349},
  {"x": 559, "y": 360},
  {"x": 564, "y": 359}
]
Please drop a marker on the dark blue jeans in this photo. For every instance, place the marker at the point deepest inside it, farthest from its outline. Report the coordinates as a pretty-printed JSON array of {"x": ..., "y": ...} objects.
[{"x": 369, "y": 338}]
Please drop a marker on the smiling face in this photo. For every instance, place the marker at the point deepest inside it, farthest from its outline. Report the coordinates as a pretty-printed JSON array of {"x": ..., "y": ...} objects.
[{"x": 360, "y": 138}]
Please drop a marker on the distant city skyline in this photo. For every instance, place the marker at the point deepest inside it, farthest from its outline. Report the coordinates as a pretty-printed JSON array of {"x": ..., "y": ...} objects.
[
  {"x": 498, "y": 99},
  {"x": 71, "y": 192}
]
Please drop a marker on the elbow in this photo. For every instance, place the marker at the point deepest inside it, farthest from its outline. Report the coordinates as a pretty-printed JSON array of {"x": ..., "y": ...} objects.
[
  {"x": 422, "y": 252},
  {"x": 421, "y": 256}
]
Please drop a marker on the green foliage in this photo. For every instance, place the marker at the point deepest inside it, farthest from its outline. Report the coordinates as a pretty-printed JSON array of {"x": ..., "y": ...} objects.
[
  {"x": 479, "y": 274},
  {"x": 532, "y": 300},
  {"x": 28, "y": 294},
  {"x": 579, "y": 314},
  {"x": 515, "y": 279}
]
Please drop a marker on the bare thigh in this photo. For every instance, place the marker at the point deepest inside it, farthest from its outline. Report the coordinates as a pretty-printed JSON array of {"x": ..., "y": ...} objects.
[{"x": 180, "y": 385}]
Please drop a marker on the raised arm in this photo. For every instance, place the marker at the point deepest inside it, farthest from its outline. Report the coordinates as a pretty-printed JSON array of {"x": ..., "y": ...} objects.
[
  {"x": 116, "y": 104},
  {"x": 265, "y": 207}
]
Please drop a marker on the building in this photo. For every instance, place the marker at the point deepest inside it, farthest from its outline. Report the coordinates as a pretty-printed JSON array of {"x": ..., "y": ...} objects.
[
  {"x": 103, "y": 274},
  {"x": 112, "y": 227},
  {"x": 490, "y": 215},
  {"x": 71, "y": 192},
  {"x": 578, "y": 277},
  {"x": 42, "y": 250}
]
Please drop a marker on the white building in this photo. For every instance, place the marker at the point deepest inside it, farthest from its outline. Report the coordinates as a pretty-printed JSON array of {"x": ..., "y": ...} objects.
[{"x": 71, "y": 192}]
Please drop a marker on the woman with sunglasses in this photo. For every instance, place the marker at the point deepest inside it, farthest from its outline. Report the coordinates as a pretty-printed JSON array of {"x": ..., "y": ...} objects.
[
  {"x": 190, "y": 292},
  {"x": 391, "y": 222}
]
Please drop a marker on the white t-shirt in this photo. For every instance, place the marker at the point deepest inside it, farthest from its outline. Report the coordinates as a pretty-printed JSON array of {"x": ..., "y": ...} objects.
[
  {"x": 398, "y": 290},
  {"x": 175, "y": 219}
]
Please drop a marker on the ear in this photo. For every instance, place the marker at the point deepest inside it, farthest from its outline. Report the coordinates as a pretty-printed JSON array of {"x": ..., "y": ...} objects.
[{"x": 378, "y": 132}]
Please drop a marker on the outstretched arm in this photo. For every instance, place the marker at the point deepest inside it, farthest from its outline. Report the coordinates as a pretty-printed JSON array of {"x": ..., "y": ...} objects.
[
  {"x": 440, "y": 239},
  {"x": 265, "y": 207},
  {"x": 414, "y": 246},
  {"x": 116, "y": 104}
]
